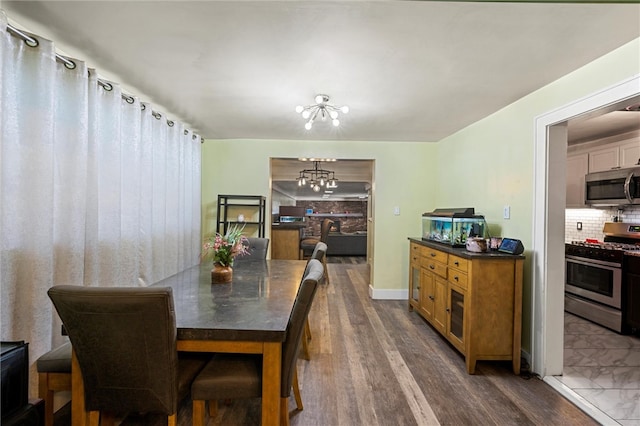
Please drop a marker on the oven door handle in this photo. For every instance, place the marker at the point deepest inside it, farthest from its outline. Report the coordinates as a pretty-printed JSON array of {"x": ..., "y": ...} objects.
[
  {"x": 627, "y": 183},
  {"x": 593, "y": 262}
]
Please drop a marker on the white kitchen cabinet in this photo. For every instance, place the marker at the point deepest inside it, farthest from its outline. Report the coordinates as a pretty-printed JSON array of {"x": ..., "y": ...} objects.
[
  {"x": 630, "y": 154},
  {"x": 620, "y": 155},
  {"x": 604, "y": 159},
  {"x": 577, "y": 168}
]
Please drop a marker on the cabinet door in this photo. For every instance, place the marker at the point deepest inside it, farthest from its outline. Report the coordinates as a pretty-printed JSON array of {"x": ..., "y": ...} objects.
[
  {"x": 630, "y": 154},
  {"x": 440, "y": 304},
  {"x": 427, "y": 288},
  {"x": 577, "y": 168},
  {"x": 604, "y": 159},
  {"x": 632, "y": 300},
  {"x": 455, "y": 312},
  {"x": 414, "y": 285}
]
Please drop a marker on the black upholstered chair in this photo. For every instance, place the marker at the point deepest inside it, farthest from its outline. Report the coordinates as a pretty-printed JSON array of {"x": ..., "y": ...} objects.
[
  {"x": 233, "y": 376},
  {"x": 125, "y": 341},
  {"x": 54, "y": 375},
  {"x": 257, "y": 250},
  {"x": 308, "y": 244}
]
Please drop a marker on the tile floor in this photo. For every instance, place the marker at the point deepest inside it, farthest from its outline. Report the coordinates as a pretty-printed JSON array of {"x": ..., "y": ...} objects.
[{"x": 603, "y": 367}]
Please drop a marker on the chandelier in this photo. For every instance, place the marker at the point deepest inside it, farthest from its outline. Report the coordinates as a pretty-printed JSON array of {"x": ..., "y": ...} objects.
[
  {"x": 317, "y": 177},
  {"x": 321, "y": 109}
]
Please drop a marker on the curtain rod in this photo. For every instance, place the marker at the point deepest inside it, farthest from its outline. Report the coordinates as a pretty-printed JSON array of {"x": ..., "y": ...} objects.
[{"x": 68, "y": 63}]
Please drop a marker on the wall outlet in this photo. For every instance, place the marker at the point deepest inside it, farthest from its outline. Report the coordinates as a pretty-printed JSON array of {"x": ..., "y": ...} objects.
[
  {"x": 579, "y": 226},
  {"x": 506, "y": 212}
]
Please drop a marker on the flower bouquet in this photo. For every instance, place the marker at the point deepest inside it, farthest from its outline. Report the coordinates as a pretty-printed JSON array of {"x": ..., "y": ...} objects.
[{"x": 223, "y": 249}]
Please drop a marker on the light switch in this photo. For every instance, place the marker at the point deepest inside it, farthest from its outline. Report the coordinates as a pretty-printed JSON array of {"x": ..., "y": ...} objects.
[
  {"x": 396, "y": 211},
  {"x": 506, "y": 212}
]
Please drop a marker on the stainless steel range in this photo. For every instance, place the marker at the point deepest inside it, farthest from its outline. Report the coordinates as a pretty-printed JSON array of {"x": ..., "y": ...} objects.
[{"x": 594, "y": 278}]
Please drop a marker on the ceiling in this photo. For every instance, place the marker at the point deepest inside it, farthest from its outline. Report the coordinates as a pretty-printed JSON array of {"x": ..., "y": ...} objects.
[{"x": 409, "y": 70}]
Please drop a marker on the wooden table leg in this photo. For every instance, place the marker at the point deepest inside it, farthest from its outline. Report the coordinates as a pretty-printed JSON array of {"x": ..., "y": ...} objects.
[
  {"x": 271, "y": 366},
  {"x": 78, "y": 412}
]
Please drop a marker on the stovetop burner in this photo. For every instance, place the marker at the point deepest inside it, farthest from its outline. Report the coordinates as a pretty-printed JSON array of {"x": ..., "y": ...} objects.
[
  {"x": 608, "y": 245},
  {"x": 619, "y": 238}
]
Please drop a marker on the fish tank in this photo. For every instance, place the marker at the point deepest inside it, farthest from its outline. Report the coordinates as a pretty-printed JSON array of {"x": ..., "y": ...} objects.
[{"x": 453, "y": 226}]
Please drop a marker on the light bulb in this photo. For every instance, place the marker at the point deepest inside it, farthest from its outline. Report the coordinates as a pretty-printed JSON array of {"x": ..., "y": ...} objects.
[
  {"x": 345, "y": 109},
  {"x": 316, "y": 188},
  {"x": 306, "y": 114},
  {"x": 299, "y": 109},
  {"x": 308, "y": 125},
  {"x": 319, "y": 99},
  {"x": 336, "y": 122},
  {"x": 333, "y": 114},
  {"x": 321, "y": 181},
  {"x": 304, "y": 181}
]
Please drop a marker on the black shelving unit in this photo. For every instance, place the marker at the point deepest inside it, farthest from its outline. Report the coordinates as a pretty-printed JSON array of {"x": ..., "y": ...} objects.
[{"x": 250, "y": 203}]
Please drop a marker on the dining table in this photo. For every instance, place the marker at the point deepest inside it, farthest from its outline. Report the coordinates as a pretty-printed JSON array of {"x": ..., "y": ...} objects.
[{"x": 249, "y": 315}]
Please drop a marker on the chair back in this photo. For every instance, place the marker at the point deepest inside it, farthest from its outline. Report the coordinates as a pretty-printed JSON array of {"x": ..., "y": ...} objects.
[
  {"x": 291, "y": 347},
  {"x": 257, "y": 250},
  {"x": 319, "y": 251},
  {"x": 125, "y": 343},
  {"x": 325, "y": 227}
]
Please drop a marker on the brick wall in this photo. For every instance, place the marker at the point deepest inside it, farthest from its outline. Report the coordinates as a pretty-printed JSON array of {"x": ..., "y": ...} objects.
[{"x": 347, "y": 224}]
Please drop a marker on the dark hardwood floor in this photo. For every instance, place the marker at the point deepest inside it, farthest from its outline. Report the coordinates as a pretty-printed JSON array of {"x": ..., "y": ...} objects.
[{"x": 375, "y": 363}]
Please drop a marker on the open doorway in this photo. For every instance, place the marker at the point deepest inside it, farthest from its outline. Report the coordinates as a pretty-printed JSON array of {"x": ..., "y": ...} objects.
[
  {"x": 549, "y": 227},
  {"x": 347, "y": 202}
]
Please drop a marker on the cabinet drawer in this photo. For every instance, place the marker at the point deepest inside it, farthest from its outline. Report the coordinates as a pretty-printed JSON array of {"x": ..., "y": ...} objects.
[
  {"x": 414, "y": 253},
  {"x": 430, "y": 255},
  {"x": 435, "y": 267},
  {"x": 459, "y": 278},
  {"x": 458, "y": 263}
]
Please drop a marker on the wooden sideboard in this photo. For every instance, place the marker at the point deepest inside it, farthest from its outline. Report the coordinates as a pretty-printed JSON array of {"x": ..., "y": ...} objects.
[{"x": 473, "y": 299}]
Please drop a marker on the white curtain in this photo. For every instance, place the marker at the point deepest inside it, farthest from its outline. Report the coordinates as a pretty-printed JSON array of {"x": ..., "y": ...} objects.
[{"x": 96, "y": 189}]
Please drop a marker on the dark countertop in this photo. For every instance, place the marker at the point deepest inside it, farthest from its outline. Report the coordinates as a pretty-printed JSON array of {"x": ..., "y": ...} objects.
[
  {"x": 255, "y": 306},
  {"x": 288, "y": 225},
  {"x": 462, "y": 252}
]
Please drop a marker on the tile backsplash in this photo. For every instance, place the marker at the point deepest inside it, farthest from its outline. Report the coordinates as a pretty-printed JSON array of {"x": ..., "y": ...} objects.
[{"x": 593, "y": 220}]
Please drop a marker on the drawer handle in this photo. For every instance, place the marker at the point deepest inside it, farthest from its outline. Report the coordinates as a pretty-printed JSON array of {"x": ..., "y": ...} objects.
[
  {"x": 448, "y": 310},
  {"x": 433, "y": 254},
  {"x": 456, "y": 263},
  {"x": 432, "y": 267},
  {"x": 455, "y": 277},
  {"x": 431, "y": 297}
]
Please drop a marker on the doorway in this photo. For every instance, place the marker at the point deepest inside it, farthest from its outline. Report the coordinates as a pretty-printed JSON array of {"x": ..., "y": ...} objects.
[
  {"x": 349, "y": 204},
  {"x": 549, "y": 226}
]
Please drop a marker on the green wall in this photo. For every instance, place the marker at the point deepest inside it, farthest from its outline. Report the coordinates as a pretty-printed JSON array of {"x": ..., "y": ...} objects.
[
  {"x": 487, "y": 165},
  {"x": 403, "y": 176},
  {"x": 497, "y": 155}
]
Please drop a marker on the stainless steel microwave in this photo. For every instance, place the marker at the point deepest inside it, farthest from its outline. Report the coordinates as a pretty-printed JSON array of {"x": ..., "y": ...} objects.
[{"x": 616, "y": 187}]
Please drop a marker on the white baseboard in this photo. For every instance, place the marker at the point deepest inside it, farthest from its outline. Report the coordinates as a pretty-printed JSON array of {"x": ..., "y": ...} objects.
[{"x": 382, "y": 294}]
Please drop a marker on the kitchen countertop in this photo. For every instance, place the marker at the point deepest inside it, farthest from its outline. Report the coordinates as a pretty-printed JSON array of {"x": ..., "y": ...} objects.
[
  {"x": 288, "y": 225},
  {"x": 462, "y": 252}
]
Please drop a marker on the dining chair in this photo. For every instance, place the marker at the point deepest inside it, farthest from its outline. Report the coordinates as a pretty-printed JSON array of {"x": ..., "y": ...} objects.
[
  {"x": 54, "y": 375},
  {"x": 124, "y": 339},
  {"x": 319, "y": 253},
  {"x": 233, "y": 376},
  {"x": 257, "y": 248},
  {"x": 308, "y": 244}
]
